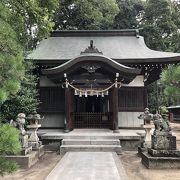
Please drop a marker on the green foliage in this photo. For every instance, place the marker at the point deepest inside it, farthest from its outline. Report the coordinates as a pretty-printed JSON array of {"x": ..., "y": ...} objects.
[
  {"x": 34, "y": 19},
  {"x": 170, "y": 79},
  {"x": 152, "y": 97},
  {"x": 26, "y": 100},
  {"x": 9, "y": 144},
  {"x": 129, "y": 15},
  {"x": 175, "y": 40},
  {"x": 11, "y": 58},
  {"x": 159, "y": 25},
  {"x": 7, "y": 166},
  {"x": 86, "y": 14}
]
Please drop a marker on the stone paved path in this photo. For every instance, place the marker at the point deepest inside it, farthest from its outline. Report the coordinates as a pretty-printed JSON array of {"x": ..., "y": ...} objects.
[{"x": 88, "y": 166}]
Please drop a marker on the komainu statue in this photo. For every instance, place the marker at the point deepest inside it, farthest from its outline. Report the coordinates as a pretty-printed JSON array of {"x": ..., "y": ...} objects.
[
  {"x": 161, "y": 125},
  {"x": 19, "y": 123}
]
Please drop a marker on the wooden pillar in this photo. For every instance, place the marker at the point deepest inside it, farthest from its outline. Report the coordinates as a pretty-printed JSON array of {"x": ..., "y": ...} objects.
[
  {"x": 113, "y": 106},
  {"x": 69, "y": 108}
]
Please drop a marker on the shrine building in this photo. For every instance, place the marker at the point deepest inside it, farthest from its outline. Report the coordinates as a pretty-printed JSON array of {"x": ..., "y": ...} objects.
[{"x": 96, "y": 79}]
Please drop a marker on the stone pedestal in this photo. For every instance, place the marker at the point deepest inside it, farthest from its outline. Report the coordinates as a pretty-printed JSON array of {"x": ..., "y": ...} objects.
[
  {"x": 34, "y": 139},
  {"x": 26, "y": 147},
  {"x": 163, "y": 162},
  {"x": 148, "y": 128},
  {"x": 163, "y": 153},
  {"x": 25, "y": 161},
  {"x": 24, "y": 141},
  {"x": 140, "y": 150},
  {"x": 146, "y": 140},
  {"x": 163, "y": 142},
  {"x": 40, "y": 150}
]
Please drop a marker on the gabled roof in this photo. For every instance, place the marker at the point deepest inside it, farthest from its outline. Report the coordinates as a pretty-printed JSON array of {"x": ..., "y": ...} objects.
[
  {"x": 121, "y": 45},
  {"x": 91, "y": 58},
  {"x": 127, "y": 73}
]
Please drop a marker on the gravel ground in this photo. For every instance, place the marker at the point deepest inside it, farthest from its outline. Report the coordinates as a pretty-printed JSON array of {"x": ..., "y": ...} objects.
[
  {"x": 132, "y": 164},
  {"x": 136, "y": 171},
  {"x": 37, "y": 172}
]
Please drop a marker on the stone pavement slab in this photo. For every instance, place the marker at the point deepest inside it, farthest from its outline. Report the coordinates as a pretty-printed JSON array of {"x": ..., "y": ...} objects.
[{"x": 88, "y": 166}]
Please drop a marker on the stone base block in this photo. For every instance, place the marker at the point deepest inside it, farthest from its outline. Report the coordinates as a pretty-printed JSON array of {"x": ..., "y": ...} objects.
[
  {"x": 164, "y": 153},
  {"x": 25, "y": 161},
  {"x": 167, "y": 142},
  {"x": 160, "y": 162},
  {"x": 130, "y": 144},
  {"x": 26, "y": 151},
  {"x": 140, "y": 150},
  {"x": 40, "y": 150}
]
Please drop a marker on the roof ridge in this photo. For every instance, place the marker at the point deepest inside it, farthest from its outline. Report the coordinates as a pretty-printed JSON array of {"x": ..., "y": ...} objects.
[{"x": 76, "y": 33}]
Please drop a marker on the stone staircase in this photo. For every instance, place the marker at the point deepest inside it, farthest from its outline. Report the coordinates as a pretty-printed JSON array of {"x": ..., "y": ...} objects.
[{"x": 90, "y": 145}]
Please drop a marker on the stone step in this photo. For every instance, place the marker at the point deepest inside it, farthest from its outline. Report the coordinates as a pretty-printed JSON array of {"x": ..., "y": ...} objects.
[
  {"x": 90, "y": 142},
  {"x": 90, "y": 148},
  {"x": 92, "y": 136}
]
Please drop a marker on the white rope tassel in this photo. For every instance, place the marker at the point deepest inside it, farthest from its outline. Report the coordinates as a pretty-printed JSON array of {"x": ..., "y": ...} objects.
[
  {"x": 85, "y": 94},
  {"x": 75, "y": 92},
  {"x": 102, "y": 94}
]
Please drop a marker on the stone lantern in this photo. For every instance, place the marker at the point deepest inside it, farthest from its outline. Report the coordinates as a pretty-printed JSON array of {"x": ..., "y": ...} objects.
[{"x": 33, "y": 126}]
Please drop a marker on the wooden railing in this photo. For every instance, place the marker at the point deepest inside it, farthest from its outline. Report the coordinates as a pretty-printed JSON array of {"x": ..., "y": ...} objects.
[{"x": 91, "y": 120}]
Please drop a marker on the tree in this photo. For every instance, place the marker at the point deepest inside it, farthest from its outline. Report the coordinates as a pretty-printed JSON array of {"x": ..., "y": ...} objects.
[
  {"x": 26, "y": 100},
  {"x": 170, "y": 79},
  {"x": 152, "y": 97},
  {"x": 158, "y": 24},
  {"x": 34, "y": 19},
  {"x": 23, "y": 24},
  {"x": 11, "y": 58},
  {"x": 9, "y": 144},
  {"x": 175, "y": 40},
  {"x": 129, "y": 15},
  {"x": 85, "y": 14}
]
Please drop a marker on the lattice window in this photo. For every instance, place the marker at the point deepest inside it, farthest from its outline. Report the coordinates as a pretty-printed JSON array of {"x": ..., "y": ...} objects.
[
  {"x": 132, "y": 98},
  {"x": 52, "y": 99}
]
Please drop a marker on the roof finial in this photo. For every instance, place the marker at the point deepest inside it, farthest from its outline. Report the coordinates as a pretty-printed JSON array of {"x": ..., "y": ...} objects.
[{"x": 91, "y": 49}]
